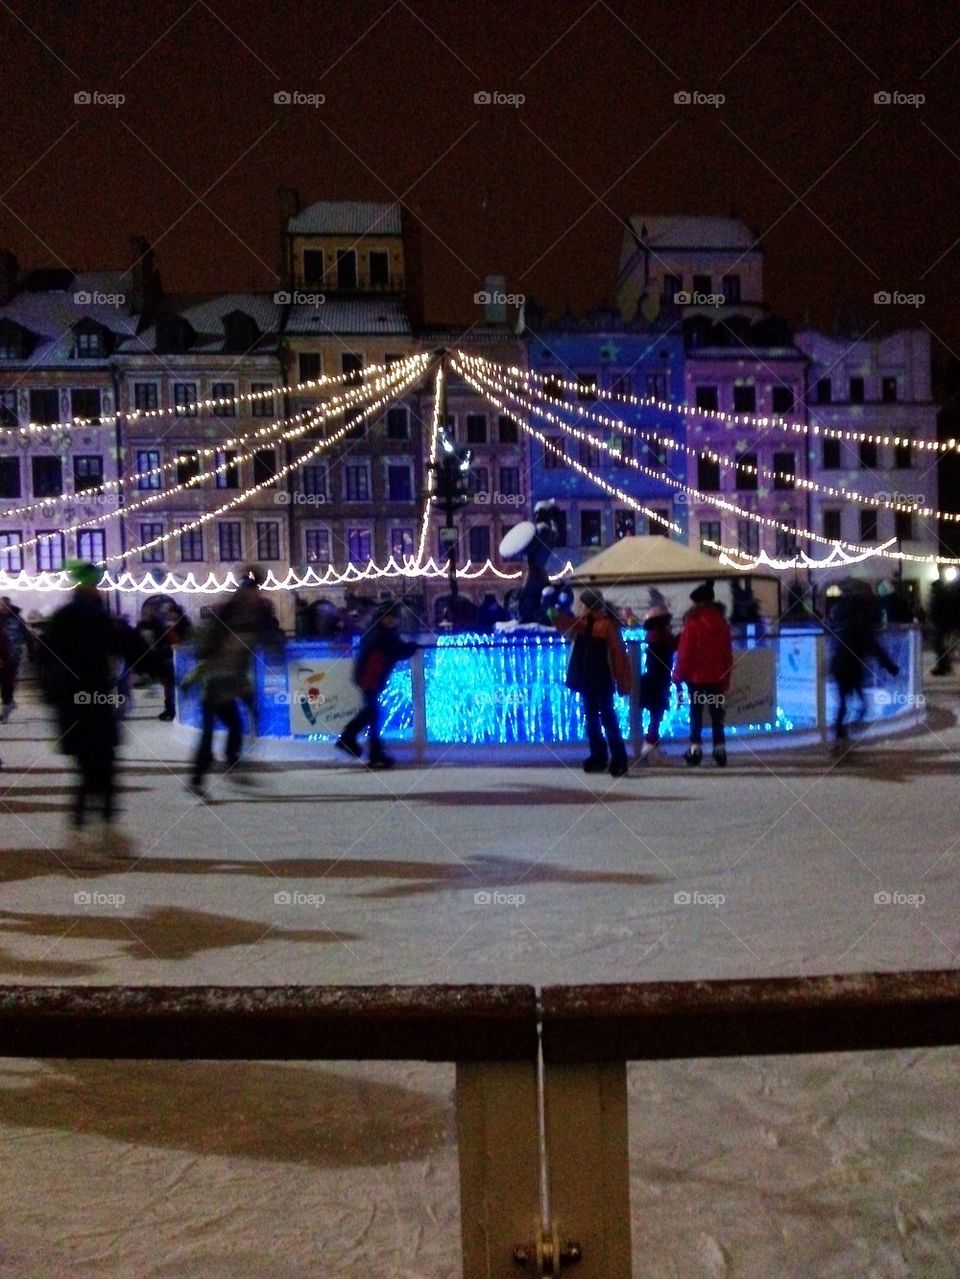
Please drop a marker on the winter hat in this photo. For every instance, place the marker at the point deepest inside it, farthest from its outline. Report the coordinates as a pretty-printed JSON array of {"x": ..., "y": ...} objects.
[
  {"x": 658, "y": 613},
  {"x": 592, "y": 598},
  {"x": 703, "y": 593},
  {"x": 388, "y": 608},
  {"x": 83, "y": 573}
]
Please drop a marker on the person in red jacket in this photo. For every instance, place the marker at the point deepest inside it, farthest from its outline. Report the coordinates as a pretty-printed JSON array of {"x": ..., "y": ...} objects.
[
  {"x": 704, "y": 664},
  {"x": 599, "y": 666}
]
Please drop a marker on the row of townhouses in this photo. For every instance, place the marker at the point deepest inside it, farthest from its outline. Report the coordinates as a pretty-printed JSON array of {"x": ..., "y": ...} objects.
[{"x": 189, "y": 402}]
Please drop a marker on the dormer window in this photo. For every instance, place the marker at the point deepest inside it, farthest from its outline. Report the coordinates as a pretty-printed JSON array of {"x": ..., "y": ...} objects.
[
  {"x": 313, "y": 266},
  {"x": 16, "y": 342},
  {"x": 174, "y": 335},
  {"x": 241, "y": 333},
  {"x": 346, "y": 269},
  {"x": 89, "y": 345},
  {"x": 379, "y": 269}
]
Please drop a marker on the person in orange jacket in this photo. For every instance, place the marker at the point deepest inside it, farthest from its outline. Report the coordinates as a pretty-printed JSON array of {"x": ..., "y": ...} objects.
[
  {"x": 599, "y": 666},
  {"x": 704, "y": 663}
]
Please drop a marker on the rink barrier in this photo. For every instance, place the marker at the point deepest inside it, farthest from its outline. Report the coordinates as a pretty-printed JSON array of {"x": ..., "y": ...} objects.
[{"x": 541, "y": 1092}]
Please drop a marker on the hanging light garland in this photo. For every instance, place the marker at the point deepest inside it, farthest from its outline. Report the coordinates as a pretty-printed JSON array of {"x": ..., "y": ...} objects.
[
  {"x": 838, "y": 558},
  {"x": 431, "y": 473}
]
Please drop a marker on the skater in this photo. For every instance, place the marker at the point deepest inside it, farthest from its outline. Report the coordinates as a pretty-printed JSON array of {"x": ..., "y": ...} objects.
[
  {"x": 379, "y": 652},
  {"x": 175, "y": 629},
  {"x": 852, "y": 628},
  {"x": 13, "y": 641},
  {"x": 225, "y": 647},
  {"x": 81, "y": 654},
  {"x": 704, "y": 664},
  {"x": 661, "y": 644},
  {"x": 599, "y": 667}
]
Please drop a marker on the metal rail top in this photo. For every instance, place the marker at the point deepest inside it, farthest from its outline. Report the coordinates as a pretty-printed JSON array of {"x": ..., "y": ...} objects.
[{"x": 616, "y": 1022}]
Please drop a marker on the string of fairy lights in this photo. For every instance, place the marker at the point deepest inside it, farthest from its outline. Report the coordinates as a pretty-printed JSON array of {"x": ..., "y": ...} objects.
[{"x": 430, "y": 484}]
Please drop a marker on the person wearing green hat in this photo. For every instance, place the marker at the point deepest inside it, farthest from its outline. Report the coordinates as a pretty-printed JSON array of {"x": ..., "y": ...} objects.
[{"x": 82, "y": 650}]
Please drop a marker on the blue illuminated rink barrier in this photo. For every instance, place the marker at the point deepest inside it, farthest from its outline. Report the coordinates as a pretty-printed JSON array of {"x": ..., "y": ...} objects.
[{"x": 508, "y": 690}]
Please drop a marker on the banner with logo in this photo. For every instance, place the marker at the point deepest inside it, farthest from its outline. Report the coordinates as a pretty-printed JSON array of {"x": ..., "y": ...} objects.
[
  {"x": 751, "y": 698},
  {"x": 321, "y": 696}
]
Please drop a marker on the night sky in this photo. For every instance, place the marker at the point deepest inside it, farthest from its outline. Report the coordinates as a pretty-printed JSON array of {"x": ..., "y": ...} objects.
[{"x": 849, "y": 197}]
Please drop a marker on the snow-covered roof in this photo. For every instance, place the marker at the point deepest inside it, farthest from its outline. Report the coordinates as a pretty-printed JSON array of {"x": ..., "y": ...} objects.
[
  {"x": 682, "y": 232},
  {"x": 355, "y": 314},
  {"x": 346, "y": 217},
  {"x": 205, "y": 315},
  {"x": 51, "y": 316}
]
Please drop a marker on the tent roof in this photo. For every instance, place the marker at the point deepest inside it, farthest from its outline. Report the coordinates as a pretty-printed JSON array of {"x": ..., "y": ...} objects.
[{"x": 652, "y": 559}]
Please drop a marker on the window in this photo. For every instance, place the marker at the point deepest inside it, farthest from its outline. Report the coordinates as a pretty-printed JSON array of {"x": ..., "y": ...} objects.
[
  {"x": 744, "y": 399},
  {"x": 45, "y": 405},
  {"x": 400, "y": 482},
  {"x": 346, "y": 269},
  {"x": 703, "y": 284},
  {"x": 707, "y": 397},
  {"x": 11, "y": 552},
  {"x": 708, "y": 475},
  {"x": 225, "y": 391},
  {"x": 8, "y": 408},
  {"x": 747, "y": 472},
  {"x": 560, "y": 518},
  {"x": 149, "y": 475},
  {"x": 476, "y": 428},
  {"x": 833, "y": 524},
  {"x": 831, "y": 455},
  {"x": 85, "y": 403},
  {"x": 868, "y": 524},
  {"x": 672, "y": 284},
  {"x": 622, "y": 446},
  {"x": 589, "y": 454},
  {"x": 781, "y": 399},
  {"x": 510, "y": 480},
  {"x": 187, "y": 465},
  {"x": 659, "y": 527},
  {"x": 856, "y": 390},
  {"x": 313, "y": 480},
  {"x": 92, "y": 545},
  {"x": 785, "y": 464},
  {"x": 268, "y": 540},
  {"x": 748, "y": 537},
  {"x": 47, "y": 476},
  {"x": 480, "y": 479},
  {"x": 146, "y": 396},
  {"x": 903, "y": 456},
  {"x": 88, "y": 344},
  {"x": 379, "y": 269},
  {"x": 227, "y": 469},
  {"x": 710, "y": 532},
  {"x": 264, "y": 466},
  {"x": 356, "y": 482},
  {"x": 401, "y": 544},
  {"x": 586, "y": 386},
  {"x": 450, "y": 426},
  {"x": 310, "y": 366},
  {"x": 10, "y": 477},
  {"x": 316, "y": 545},
  {"x": 393, "y": 359},
  {"x": 591, "y": 528},
  {"x": 313, "y": 266},
  {"x": 398, "y": 424},
  {"x": 191, "y": 546},
  {"x": 655, "y": 385},
  {"x": 731, "y": 289},
  {"x": 230, "y": 541},
  {"x": 785, "y": 544},
  {"x": 624, "y": 524},
  {"x": 552, "y": 388},
  {"x": 87, "y": 472},
  {"x": 868, "y": 455},
  {"x": 50, "y": 554},
  {"x": 553, "y": 458},
  {"x": 352, "y": 365},
  {"x": 149, "y": 533},
  {"x": 262, "y": 402},
  {"x": 622, "y": 384},
  {"x": 478, "y": 543},
  {"x": 903, "y": 526},
  {"x": 358, "y": 545},
  {"x": 185, "y": 399},
  {"x": 888, "y": 390},
  {"x": 824, "y": 391}
]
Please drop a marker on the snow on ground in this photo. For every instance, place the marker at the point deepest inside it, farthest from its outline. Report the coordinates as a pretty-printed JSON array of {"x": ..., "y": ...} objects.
[{"x": 828, "y": 1165}]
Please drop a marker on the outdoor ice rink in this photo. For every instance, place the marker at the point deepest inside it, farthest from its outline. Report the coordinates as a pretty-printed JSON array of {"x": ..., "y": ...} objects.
[{"x": 785, "y": 864}]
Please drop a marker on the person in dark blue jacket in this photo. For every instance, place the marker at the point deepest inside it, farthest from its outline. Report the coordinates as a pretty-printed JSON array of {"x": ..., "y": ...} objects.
[{"x": 380, "y": 650}]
